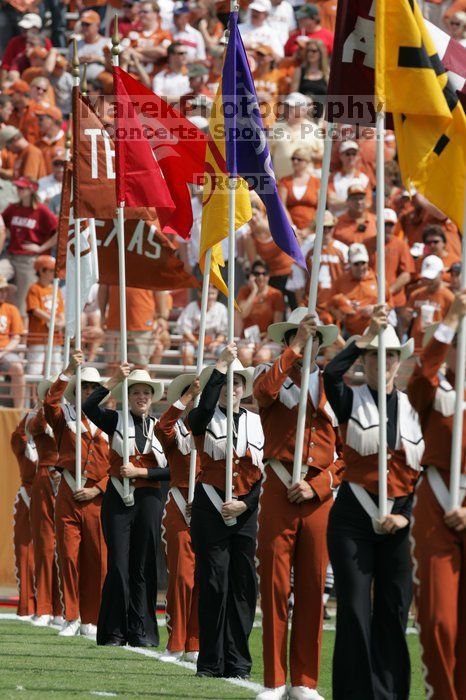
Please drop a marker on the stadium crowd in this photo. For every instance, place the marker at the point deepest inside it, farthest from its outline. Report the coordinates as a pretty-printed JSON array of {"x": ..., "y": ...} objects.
[{"x": 176, "y": 49}]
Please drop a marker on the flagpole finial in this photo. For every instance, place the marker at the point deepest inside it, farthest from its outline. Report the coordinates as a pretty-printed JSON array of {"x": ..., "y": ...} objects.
[
  {"x": 115, "y": 37},
  {"x": 75, "y": 60},
  {"x": 68, "y": 138},
  {"x": 84, "y": 80}
]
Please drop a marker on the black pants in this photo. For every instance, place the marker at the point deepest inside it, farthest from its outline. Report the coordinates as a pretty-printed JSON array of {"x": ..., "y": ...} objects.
[
  {"x": 129, "y": 596},
  {"x": 226, "y": 575},
  {"x": 374, "y": 590}
]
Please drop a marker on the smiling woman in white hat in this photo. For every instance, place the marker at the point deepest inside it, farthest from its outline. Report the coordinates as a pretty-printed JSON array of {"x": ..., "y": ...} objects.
[
  {"x": 225, "y": 567},
  {"x": 371, "y": 658},
  {"x": 80, "y": 543},
  {"x": 293, "y": 517},
  {"x": 131, "y": 527}
]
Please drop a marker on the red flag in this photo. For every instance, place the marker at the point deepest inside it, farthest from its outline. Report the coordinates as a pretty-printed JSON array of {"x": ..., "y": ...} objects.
[
  {"x": 178, "y": 145},
  {"x": 139, "y": 180}
]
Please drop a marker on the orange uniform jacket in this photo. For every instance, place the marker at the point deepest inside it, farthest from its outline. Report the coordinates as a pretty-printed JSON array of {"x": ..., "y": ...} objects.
[
  {"x": 166, "y": 433},
  {"x": 94, "y": 462},
  {"x": 27, "y": 467},
  {"x": 279, "y": 425},
  {"x": 44, "y": 439},
  {"x": 433, "y": 399}
]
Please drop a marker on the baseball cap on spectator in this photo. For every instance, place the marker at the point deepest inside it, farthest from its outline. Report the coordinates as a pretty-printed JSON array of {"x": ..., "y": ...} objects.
[
  {"x": 4, "y": 284},
  {"x": 455, "y": 269},
  {"x": 7, "y": 134},
  {"x": 296, "y": 99},
  {"x": 307, "y": 11},
  {"x": 356, "y": 188},
  {"x": 389, "y": 216},
  {"x": 329, "y": 219},
  {"x": 264, "y": 50},
  {"x": 44, "y": 261},
  {"x": 58, "y": 155},
  {"x": 53, "y": 112},
  {"x": 261, "y": 6},
  {"x": 181, "y": 10},
  {"x": 357, "y": 253},
  {"x": 61, "y": 61},
  {"x": 29, "y": 21},
  {"x": 25, "y": 181},
  {"x": 432, "y": 266},
  {"x": 18, "y": 86},
  {"x": 196, "y": 70},
  {"x": 90, "y": 17},
  {"x": 349, "y": 146}
]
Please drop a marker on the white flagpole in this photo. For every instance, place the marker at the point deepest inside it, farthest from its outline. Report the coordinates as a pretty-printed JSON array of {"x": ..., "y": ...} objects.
[
  {"x": 381, "y": 351},
  {"x": 53, "y": 311},
  {"x": 200, "y": 362},
  {"x": 122, "y": 296},
  {"x": 77, "y": 295},
  {"x": 314, "y": 285},
  {"x": 460, "y": 369},
  {"x": 232, "y": 181}
]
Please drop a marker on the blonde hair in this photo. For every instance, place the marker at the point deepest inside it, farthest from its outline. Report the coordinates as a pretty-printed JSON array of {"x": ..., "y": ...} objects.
[
  {"x": 303, "y": 152},
  {"x": 324, "y": 64}
]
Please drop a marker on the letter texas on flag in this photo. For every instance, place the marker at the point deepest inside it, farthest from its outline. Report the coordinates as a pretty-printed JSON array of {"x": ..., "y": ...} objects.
[{"x": 151, "y": 262}]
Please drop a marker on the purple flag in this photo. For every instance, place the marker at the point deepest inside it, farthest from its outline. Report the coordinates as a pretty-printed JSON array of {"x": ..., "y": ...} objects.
[{"x": 247, "y": 152}]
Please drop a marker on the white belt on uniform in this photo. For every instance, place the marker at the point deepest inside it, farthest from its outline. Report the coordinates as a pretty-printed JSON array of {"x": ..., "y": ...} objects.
[
  {"x": 70, "y": 480},
  {"x": 180, "y": 502},
  {"x": 217, "y": 502},
  {"x": 127, "y": 500},
  {"x": 283, "y": 473},
  {"x": 368, "y": 505},
  {"x": 440, "y": 490},
  {"x": 24, "y": 496}
]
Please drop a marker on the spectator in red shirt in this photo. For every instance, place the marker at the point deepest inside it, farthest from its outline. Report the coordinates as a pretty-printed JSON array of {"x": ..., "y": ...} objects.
[
  {"x": 308, "y": 17},
  {"x": 260, "y": 305},
  {"x": 32, "y": 229},
  {"x": 11, "y": 329},
  {"x": 30, "y": 23}
]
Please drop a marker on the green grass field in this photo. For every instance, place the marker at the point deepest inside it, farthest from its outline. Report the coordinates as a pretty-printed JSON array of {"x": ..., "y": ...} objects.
[{"x": 35, "y": 662}]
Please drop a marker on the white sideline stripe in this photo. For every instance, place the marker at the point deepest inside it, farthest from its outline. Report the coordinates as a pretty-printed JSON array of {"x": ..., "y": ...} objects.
[
  {"x": 104, "y": 693},
  {"x": 256, "y": 687},
  {"x": 162, "y": 623}
]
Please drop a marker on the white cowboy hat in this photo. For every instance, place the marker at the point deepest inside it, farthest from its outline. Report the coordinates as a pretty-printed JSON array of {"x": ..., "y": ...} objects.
[
  {"x": 140, "y": 376},
  {"x": 392, "y": 342},
  {"x": 178, "y": 385},
  {"x": 277, "y": 331},
  {"x": 44, "y": 385},
  {"x": 246, "y": 372},
  {"x": 88, "y": 374}
]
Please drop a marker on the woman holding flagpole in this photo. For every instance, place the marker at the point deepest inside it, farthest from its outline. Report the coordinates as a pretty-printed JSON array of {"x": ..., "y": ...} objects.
[
  {"x": 225, "y": 568},
  {"x": 370, "y": 555},
  {"x": 131, "y": 523},
  {"x": 439, "y": 525}
]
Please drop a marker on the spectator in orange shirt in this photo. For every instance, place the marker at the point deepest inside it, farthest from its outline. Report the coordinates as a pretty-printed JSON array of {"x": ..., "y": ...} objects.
[
  {"x": 268, "y": 80},
  {"x": 260, "y": 305},
  {"x": 28, "y": 160},
  {"x": 39, "y": 307},
  {"x": 399, "y": 264},
  {"x": 355, "y": 293},
  {"x": 11, "y": 329},
  {"x": 151, "y": 42},
  {"x": 356, "y": 225},
  {"x": 300, "y": 190},
  {"x": 455, "y": 277},
  {"x": 430, "y": 302},
  {"x": 23, "y": 117},
  {"x": 435, "y": 242},
  {"x": 52, "y": 135}
]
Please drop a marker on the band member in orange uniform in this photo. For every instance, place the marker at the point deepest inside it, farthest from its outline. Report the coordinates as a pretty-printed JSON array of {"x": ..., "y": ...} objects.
[
  {"x": 182, "y": 592},
  {"x": 80, "y": 542},
  {"x": 370, "y": 556},
  {"x": 26, "y": 454},
  {"x": 293, "y": 519},
  {"x": 225, "y": 567},
  {"x": 131, "y": 523},
  {"x": 439, "y": 533},
  {"x": 42, "y": 512}
]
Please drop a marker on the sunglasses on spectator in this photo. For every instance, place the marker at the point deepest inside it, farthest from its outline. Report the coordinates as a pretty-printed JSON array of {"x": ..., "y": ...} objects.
[
  {"x": 180, "y": 53},
  {"x": 359, "y": 263},
  {"x": 313, "y": 51},
  {"x": 256, "y": 273},
  {"x": 41, "y": 88},
  {"x": 434, "y": 241},
  {"x": 299, "y": 160},
  {"x": 145, "y": 12},
  {"x": 455, "y": 24},
  {"x": 86, "y": 24},
  {"x": 349, "y": 153},
  {"x": 46, "y": 269}
]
